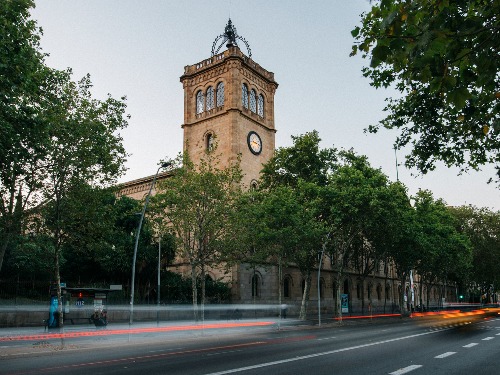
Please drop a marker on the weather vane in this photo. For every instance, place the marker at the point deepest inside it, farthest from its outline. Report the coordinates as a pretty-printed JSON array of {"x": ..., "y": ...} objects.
[{"x": 230, "y": 36}]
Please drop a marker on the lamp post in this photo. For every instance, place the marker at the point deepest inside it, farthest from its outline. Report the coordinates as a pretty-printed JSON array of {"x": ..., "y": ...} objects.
[
  {"x": 158, "y": 289},
  {"x": 159, "y": 266},
  {"x": 132, "y": 286}
]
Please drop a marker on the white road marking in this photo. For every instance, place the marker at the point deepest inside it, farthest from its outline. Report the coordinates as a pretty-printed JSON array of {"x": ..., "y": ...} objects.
[
  {"x": 405, "y": 370},
  {"x": 488, "y": 338},
  {"x": 164, "y": 351},
  {"x": 444, "y": 355},
  {"x": 498, "y": 334},
  {"x": 228, "y": 351},
  {"x": 470, "y": 345},
  {"x": 267, "y": 364},
  {"x": 327, "y": 338}
]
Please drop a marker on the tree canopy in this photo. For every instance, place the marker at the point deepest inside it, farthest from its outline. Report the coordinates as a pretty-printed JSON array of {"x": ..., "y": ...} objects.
[
  {"x": 482, "y": 228},
  {"x": 195, "y": 206},
  {"x": 443, "y": 57},
  {"x": 22, "y": 132}
]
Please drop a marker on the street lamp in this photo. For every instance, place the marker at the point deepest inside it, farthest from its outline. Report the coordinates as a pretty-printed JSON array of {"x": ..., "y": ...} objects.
[
  {"x": 159, "y": 267},
  {"x": 158, "y": 290},
  {"x": 132, "y": 289}
]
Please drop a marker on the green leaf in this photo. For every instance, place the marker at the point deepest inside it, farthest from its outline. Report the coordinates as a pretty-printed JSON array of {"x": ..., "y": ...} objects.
[
  {"x": 458, "y": 97},
  {"x": 379, "y": 55}
]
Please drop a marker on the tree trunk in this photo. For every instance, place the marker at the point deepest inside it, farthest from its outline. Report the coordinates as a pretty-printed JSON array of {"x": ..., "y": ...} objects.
[
  {"x": 280, "y": 286},
  {"x": 402, "y": 303},
  {"x": 195, "y": 292},
  {"x": 362, "y": 296},
  {"x": 305, "y": 297},
  {"x": 338, "y": 302},
  {"x": 202, "y": 293},
  {"x": 11, "y": 220},
  {"x": 59, "y": 294},
  {"x": 386, "y": 272},
  {"x": 3, "y": 248}
]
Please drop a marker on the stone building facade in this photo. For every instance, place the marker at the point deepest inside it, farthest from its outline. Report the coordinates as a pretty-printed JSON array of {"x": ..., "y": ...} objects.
[{"x": 229, "y": 99}]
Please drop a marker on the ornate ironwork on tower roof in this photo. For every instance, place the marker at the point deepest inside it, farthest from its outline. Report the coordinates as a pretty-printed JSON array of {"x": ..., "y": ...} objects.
[{"x": 230, "y": 36}]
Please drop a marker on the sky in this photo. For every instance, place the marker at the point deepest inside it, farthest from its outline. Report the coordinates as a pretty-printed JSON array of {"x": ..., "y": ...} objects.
[{"x": 138, "y": 49}]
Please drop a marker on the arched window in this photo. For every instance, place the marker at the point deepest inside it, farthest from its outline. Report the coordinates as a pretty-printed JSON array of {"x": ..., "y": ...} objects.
[
  {"x": 244, "y": 96},
  {"x": 358, "y": 290},
  {"x": 255, "y": 286},
  {"x": 200, "y": 102},
  {"x": 379, "y": 292},
  {"x": 260, "y": 106},
  {"x": 321, "y": 288},
  {"x": 253, "y": 101},
  {"x": 210, "y": 142},
  {"x": 220, "y": 94},
  {"x": 286, "y": 287},
  {"x": 210, "y": 98}
]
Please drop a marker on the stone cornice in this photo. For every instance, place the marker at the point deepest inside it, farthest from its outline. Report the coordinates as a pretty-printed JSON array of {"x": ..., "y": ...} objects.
[
  {"x": 233, "y": 53},
  {"x": 140, "y": 184}
]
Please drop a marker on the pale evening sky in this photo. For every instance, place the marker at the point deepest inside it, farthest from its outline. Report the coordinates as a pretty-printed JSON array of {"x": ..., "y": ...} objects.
[{"x": 139, "y": 49}]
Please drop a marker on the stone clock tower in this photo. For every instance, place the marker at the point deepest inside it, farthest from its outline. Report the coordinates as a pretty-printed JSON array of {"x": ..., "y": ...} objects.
[{"x": 229, "y": 99}]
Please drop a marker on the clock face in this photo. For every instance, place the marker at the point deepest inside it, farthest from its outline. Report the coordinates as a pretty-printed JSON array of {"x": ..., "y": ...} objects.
[{"x": 254, "y": 143}]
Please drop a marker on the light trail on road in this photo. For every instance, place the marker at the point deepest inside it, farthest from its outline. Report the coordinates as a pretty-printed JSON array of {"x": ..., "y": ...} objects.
[{"x": 109, "y": 332}]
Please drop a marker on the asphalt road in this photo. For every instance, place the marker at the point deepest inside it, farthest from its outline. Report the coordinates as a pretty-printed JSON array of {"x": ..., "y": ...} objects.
[{"x": 394, "y": 346}]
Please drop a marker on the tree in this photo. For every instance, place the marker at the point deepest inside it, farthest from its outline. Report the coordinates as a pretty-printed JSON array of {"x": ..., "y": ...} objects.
[
  {"x": 312, "y": 234},
  {"x": 84, "y": 146},
  {"x": 302, "y": 161},
  {"x": 30, "y": 259},
  {"x": 482, "y": 227},
  {"x": 444, "y": 253},
  {"x": 115, "y": 254},
  {"x": 358, "y": 199},
  {"x": 400, "y": 232},
  {"x": 290, "y": 233},
  {"x": 23, "y": 90},
  {"x": 195, "y": 205},
  {"x": 303, "y": 168},
  {"x": 442, "y": 56},
  {"x": 370, "y": 194}
]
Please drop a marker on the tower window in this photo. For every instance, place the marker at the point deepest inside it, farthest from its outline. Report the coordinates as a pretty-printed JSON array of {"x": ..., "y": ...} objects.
[
  {"x": 244, "y": 96},
  {"x": 210, "y": 142},
  {"x": 260, "y": 106},
  {"x": 253, "y": 101},
  {"x": 200, "y": 102},
  {"x": 220, "y": 94},
  {"x": 210, "y": 98}
]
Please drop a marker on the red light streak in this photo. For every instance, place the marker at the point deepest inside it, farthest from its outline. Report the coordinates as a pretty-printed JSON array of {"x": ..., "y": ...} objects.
[
  {"x": 107, "y": 332},
  {"x": 367, "y": 316}
]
